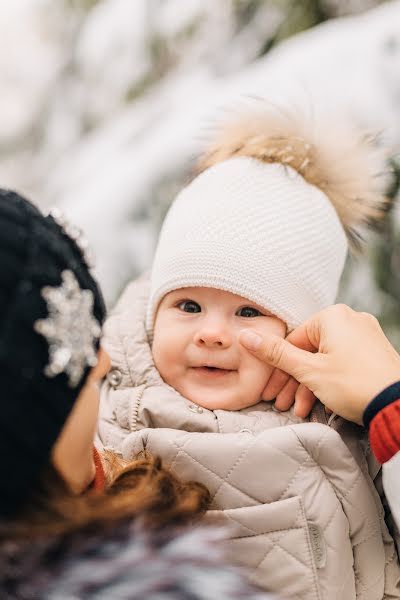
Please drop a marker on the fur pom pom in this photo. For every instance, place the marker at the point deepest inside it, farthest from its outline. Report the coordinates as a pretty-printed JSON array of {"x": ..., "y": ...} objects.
[{"x": 342, "y": 163}]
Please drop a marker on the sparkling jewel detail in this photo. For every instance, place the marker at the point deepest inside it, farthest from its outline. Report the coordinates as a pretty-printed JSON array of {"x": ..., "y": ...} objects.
[
  {"x": 75, "y": 233},
  {"x": 70, "y": 329}
]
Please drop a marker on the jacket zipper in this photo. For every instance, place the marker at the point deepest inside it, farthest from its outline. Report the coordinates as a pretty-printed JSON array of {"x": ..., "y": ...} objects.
[
  {"x": 133, "y": 422},
  {"x": 318, "y": 415}
]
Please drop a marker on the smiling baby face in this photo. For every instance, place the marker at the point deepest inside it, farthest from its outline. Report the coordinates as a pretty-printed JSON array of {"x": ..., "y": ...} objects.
[{"x": 197, "y": 352}]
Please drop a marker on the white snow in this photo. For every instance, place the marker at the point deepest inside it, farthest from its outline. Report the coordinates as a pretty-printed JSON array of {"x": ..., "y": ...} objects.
[{"x": 111, "y": 164}]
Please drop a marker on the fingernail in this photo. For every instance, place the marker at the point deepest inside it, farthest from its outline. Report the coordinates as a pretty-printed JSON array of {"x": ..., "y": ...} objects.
[{"x": 250, "y": 339}]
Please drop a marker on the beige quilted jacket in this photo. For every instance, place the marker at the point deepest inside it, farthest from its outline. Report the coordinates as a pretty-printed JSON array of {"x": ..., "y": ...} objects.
[{"x": 303, "y": 513}]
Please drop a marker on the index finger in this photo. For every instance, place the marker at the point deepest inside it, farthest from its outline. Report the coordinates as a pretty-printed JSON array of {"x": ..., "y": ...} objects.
[
  {"x": 278, "y": 352},
  {"x": 299, "y": 337}
]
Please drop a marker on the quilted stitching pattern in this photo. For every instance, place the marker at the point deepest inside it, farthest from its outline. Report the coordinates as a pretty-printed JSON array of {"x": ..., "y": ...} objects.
[
  {"x": 282, "y": 537},
  {"x": 255, "y": 474},
  {"x": 334, "y": 491}
]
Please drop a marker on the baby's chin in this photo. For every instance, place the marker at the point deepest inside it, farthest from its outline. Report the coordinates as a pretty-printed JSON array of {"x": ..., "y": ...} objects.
[{"x": 218, "y": 400}]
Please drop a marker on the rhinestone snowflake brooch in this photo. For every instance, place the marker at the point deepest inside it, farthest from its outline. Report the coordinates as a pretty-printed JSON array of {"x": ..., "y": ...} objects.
[{"x": 70, "y": 329}]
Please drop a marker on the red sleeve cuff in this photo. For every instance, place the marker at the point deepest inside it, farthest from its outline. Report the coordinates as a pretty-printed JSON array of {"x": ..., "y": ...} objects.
[
  {"x": 384, "y": 432},
  {"x": 99, "y": 482}
]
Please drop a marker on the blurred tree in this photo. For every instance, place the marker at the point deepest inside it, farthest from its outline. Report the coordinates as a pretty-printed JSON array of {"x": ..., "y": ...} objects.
[{"x": 118, "y": 62}]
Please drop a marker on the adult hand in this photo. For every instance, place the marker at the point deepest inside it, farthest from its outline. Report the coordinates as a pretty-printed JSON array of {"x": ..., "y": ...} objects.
[{"x": 339, "y": 355}]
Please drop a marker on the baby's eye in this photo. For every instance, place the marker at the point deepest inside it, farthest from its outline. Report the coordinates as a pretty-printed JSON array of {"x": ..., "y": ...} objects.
[
  {"x": 248, "y": 311},
  {"x": 189, "y": 306}
]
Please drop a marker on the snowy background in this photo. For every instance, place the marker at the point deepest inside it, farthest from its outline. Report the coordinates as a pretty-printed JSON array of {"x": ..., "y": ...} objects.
[{"x": 104, "y": 103}]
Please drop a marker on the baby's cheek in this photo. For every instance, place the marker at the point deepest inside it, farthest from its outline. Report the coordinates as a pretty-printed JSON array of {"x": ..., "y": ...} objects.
[
  {"x": 260, "y": 374},
  {"x": 277, "y": 327},
  {"x": 160, "y": 358},
  {"x": 257, "y": 376},
  {"x": 167, "y": 372}
]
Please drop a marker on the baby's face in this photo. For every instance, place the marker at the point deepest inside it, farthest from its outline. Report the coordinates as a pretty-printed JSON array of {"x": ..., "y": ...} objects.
[{"x": 197, "y": 352}]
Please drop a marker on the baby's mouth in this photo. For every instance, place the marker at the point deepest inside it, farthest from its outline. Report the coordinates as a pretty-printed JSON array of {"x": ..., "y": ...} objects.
[{"x": 211, "y": 372}]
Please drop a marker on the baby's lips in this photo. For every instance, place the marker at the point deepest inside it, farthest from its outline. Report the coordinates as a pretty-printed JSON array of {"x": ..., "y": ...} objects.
[{"x": 213, "y": 366}]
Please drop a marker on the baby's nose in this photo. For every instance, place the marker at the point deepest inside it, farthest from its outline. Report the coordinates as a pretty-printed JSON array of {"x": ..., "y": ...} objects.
[{"x": 213, "y": 337}]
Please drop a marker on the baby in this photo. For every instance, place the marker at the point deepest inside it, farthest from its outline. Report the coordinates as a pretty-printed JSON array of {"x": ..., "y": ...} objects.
[
  {"x": 196, "y": 348},
  {"x": 258, "y": 239}
]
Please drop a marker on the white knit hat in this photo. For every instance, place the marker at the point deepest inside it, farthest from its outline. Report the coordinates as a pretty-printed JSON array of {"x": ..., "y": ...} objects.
[{"x": 267, "y": 219}]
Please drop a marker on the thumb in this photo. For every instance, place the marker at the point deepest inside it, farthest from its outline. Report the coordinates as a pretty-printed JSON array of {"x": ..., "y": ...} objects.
[{"x": 277, "y": 352}]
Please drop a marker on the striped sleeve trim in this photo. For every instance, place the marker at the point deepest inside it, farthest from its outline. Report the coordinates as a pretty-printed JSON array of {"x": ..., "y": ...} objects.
[
  {"x": 384, "y": 432},
  {"x": 386, "y": 397}
]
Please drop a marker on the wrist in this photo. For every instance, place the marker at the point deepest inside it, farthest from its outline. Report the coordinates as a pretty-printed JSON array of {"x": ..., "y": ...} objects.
[
  {"x": 386, "y": 397},
  {"x": 382, "y": 416}
]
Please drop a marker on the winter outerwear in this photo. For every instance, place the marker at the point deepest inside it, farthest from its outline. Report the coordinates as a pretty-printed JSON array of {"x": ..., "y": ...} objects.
[
  {"x": 123, "y": 562},
  {"x": 270, "y": 215},
  {"x": 383, "y": 418},
  {"x": 51, "y": 310},
  {"x": 299, "y": 498}
]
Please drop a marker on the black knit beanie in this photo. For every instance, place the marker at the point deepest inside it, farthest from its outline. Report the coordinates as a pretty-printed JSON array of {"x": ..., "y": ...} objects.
[{"x": 51, "y": 310}]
